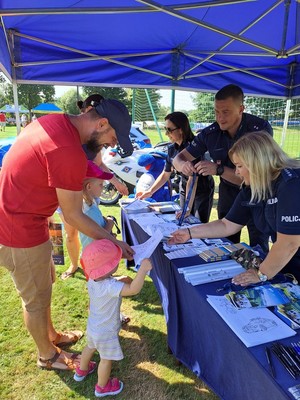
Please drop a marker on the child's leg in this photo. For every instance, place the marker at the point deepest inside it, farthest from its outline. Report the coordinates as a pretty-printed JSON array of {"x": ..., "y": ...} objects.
[
  {"x": 86, "y": 356},
  {"x": 104, "y": 370}
]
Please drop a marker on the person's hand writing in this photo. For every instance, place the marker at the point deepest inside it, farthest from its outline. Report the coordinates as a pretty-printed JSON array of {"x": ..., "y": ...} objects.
[
  {"x": 246, "y": 278},
  {"x": 188, "y": 168},
  {"x": 143, "y": 195},
  {"x": 127, "y": 251},
  {"x": 178, "y": 213},
  {"x": 180, "y": 236}
]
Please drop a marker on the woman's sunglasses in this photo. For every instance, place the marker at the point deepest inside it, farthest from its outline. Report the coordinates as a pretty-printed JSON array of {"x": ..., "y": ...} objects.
[{"x": 170, "y": 130}]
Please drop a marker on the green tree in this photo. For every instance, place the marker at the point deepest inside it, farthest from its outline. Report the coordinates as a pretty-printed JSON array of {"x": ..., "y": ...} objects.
[
  {"x": 163, "y": 111},
  {"x": 2, "y": 87},
  {"x": 109, "y": 93},
  {"x": 68, "y": 102},
  {"x": 204, "y": 108},
  {"x": 30, "y": 96},
  {"x": 142, "y": 107}
]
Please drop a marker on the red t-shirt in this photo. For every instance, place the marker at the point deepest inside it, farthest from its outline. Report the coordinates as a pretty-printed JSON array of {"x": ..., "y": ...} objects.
[
  {"x": 2, "y": 117},
  {"x": 46, "y": 155}
]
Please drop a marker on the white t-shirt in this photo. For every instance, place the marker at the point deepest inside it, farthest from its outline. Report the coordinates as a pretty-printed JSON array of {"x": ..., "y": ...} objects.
[{"x": 105, "y": 303}]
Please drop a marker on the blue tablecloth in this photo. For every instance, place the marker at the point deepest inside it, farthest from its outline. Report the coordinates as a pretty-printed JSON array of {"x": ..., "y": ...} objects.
[{"x": 202, "y": 341}]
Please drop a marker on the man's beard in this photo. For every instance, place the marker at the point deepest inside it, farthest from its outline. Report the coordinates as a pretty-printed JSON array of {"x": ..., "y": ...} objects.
[{"x": 92, "y": 144}]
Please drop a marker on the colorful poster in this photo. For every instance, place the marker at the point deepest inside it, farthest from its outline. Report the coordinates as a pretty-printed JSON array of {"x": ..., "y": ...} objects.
[{"x": 56, "y": 237}]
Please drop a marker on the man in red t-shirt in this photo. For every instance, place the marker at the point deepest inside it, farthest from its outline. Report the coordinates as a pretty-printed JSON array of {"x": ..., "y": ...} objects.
[{"x": 44, "y": 168}]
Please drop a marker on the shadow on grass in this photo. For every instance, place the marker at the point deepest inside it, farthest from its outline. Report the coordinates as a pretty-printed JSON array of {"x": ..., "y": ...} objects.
[{"x": 144, "y": 350}]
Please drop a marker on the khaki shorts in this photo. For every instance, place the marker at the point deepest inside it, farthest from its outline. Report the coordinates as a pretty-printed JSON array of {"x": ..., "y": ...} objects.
[{"x": 30, "y": 269}]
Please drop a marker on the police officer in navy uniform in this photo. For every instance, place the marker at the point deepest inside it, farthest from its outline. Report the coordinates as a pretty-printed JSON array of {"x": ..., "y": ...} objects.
[
  {"x": 270, "y": 195},
  {"x": 231, "y": 124}
]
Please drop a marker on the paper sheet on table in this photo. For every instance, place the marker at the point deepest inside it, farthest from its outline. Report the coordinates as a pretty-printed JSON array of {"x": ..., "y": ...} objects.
[
  {"x": 184, "y": 253},
  {"x": 252, "y": 326},
  {"x": 194, "y": 243},
  {"x": 166, "y": 228},
  {"x": 145, "y": 250},
  {"x": 144, "y": 219},
  {"x": 136, "y": 205}
]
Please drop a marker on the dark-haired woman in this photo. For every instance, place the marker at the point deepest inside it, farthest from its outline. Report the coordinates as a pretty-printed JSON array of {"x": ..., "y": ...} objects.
[{"x": 178, "y": 129}]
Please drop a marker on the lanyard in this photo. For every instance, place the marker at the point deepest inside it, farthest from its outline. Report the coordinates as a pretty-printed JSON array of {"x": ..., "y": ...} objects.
[{"x": 187, "y": 199}]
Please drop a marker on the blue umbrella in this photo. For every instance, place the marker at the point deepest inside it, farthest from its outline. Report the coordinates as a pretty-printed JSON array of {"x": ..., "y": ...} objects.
[{"x": 47, "y": 108}]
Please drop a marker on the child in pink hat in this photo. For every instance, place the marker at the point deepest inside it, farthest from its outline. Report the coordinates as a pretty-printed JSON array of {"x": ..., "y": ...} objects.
[
  {"x": 100, "y": 260},
  {"x": 92, "y": 189}
]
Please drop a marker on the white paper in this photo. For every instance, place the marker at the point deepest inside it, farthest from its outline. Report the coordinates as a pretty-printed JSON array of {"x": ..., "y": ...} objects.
[
  {"x": 253, "y": 326},
  {"x": 165, "y": 227},
  {"x": 140, "y": 216},
  {"x": 145, "y": 250},
  {"x": 136, "y": 205}
]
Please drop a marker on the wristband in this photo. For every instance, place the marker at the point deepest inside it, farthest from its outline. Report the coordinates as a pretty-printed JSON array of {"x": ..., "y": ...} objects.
[{"x": 189, "y": 231}]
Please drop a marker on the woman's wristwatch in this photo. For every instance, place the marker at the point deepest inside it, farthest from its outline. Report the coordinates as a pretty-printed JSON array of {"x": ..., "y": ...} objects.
[{"x": 262, "y": 277}]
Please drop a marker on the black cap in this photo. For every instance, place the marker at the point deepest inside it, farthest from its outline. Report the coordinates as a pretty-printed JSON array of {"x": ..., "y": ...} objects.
[{"x": 119, "y": 118}]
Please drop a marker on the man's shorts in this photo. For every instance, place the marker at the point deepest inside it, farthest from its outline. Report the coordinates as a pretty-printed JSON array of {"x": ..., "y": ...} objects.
[{"x": 30, "y": 269}]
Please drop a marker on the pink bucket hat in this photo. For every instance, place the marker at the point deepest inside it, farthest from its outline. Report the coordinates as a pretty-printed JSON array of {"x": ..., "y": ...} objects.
[
  {"x": 93, "y": 171},
  {"x": 100, "y": 257}
]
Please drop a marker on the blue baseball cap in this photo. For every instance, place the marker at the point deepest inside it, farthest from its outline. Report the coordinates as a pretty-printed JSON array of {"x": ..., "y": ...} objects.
[{"x": 119, "y": 118}]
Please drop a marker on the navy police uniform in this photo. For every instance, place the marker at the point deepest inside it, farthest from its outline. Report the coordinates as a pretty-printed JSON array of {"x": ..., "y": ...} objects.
[
  {"x": 218, "y": 143},
  {"x": 205, "y": 187},
  {"x": 279, "y": 213}
]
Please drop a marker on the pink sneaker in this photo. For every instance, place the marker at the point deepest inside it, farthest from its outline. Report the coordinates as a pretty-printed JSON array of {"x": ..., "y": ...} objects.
[
  {"x": 81, "y": 374},
  {"x": 113, "y": 386}
]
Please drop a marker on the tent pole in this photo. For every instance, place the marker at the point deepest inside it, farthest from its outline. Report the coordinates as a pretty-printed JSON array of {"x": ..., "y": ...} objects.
[
  {"x": 288, "y": 103},
  {"x": 16, "y": 102},
  {"x": 133, "y": 105},
  {"x": 285, "y": 121},
  {"x": 153, "y": 114},
  {"x": 172, "y": 100}
]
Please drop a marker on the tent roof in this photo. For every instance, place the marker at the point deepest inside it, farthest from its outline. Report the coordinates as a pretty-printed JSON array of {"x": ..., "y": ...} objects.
[
  {"x": 189, "y": 45},
  {"x": 47, "y": 108},
  {"x": 11, "y": 109}
]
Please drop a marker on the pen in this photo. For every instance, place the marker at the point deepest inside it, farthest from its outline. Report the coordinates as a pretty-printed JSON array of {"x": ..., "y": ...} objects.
[
  {"x": 283, "y": 361},
  {"x": 269, "y": 360}
]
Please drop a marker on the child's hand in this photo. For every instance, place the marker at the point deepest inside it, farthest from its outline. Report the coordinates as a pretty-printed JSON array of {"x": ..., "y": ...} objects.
[
  {"x": 124, "y": 279},
  {"x": 146, "y": 265}
]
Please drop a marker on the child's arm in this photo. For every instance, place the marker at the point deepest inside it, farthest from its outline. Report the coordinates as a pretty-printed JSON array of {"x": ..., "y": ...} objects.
[
  {"x": 124, "y": 278},
  {"x": 136, "y": 285}
]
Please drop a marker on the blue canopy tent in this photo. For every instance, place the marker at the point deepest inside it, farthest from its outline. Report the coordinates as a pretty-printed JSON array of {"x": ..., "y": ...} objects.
[
  {"x": 10, "y": 108},
  {"x": 189, "y": 45},
  {"x": 47, "y": 108}
]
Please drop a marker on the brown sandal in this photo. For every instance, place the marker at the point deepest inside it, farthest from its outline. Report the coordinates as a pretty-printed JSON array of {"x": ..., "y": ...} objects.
[
  {"x": 76, "y": 335},
  {"x": 67, "y": 363}
]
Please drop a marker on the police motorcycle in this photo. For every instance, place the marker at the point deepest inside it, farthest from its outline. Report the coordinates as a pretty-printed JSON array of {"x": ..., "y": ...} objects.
[{"x": 125, "y": 169}]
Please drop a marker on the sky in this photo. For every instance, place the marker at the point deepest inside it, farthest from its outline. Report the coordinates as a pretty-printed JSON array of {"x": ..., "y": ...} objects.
[{"x": 183, "y": 99}]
